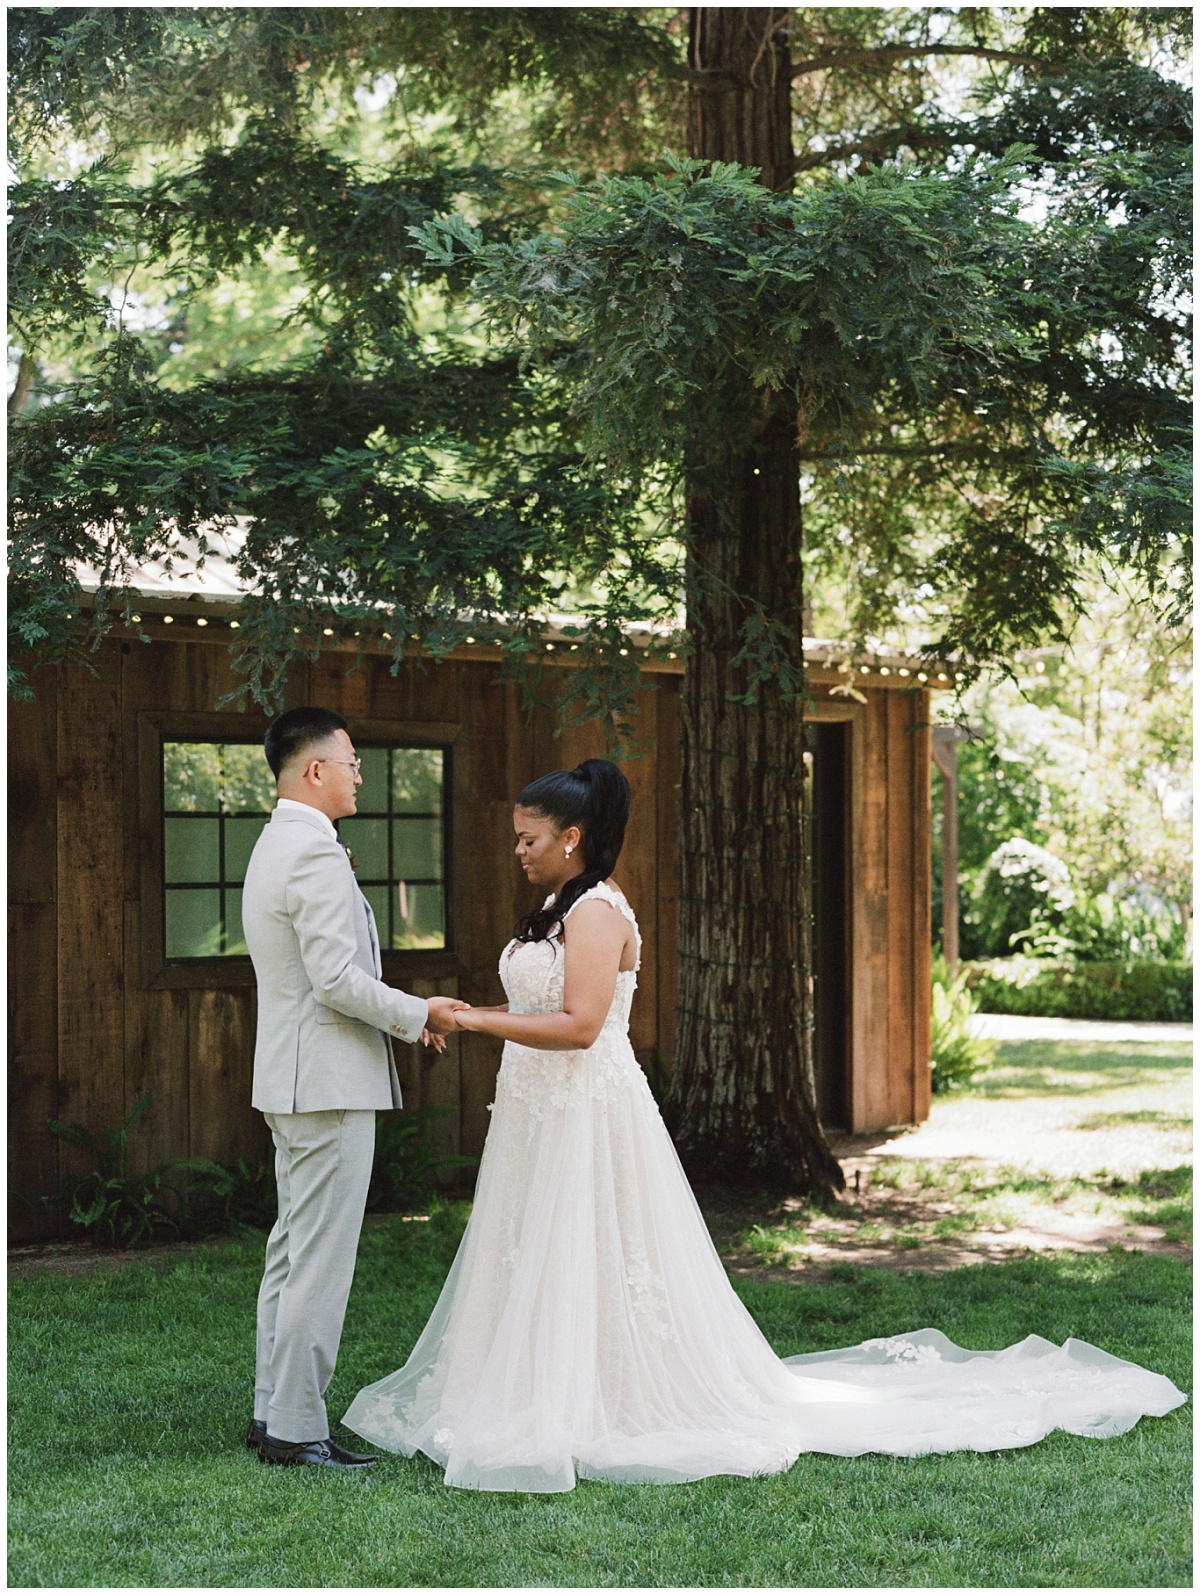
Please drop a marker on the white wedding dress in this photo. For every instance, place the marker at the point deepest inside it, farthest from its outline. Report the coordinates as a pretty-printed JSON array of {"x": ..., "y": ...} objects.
[{"x": 588, "y": 1330}]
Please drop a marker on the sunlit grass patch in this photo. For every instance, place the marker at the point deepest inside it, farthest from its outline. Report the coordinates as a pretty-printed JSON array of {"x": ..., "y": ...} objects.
[
  {"x": 912, "y": 1203},
  {"x": 1078, "y": 1068}
]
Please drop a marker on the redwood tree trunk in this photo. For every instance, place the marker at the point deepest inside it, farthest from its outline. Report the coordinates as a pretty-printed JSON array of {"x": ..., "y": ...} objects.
[{"x": 743, "y": 1101}]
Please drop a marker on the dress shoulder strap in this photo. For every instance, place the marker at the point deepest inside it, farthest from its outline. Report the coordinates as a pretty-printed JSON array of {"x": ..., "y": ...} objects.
[{"x": 605, "y": 893}]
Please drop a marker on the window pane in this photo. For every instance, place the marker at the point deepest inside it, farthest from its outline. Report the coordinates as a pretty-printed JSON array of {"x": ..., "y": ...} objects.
[
  {"x": 367, "y": 840},
  {"x": 191, "y": 850},
  {"x": 418, "y": 849},
  {"x": 235, "y": 936},
  {"x": 249, "y": 783},
  {"x": 420, "y": 917},
  {"x": 240, "y": 837},
  {"x": 372, "y": 794},
  {"x": 193, "y": 924},
  {"x": 191, "y": 775},
  {"x": 417, "y": 780}
]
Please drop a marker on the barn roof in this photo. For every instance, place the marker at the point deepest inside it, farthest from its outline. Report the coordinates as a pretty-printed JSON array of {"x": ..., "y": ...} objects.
[{"x": 185, "y": 589}]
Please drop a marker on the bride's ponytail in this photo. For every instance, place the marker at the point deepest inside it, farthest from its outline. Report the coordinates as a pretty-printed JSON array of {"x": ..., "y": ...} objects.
[{"x": 596, "y": 797}]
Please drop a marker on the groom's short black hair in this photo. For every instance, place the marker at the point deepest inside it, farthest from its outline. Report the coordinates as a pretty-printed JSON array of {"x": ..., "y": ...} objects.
[{"x": 297, "y": 730}]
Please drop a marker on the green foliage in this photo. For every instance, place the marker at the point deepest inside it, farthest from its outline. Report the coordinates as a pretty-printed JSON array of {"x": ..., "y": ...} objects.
[
  {"x": 990, "y": 393},
  {"x": 956, "y": 1056},
  {"x": 408, "y": 1161},
  {"x": 1156, "y": 990},
  {"x": 115, "y": 1207},
  {"x": 1086, "y": 754},
  {"x": 224, "y": 1198},
  {"x": 1022, "y": 886}
]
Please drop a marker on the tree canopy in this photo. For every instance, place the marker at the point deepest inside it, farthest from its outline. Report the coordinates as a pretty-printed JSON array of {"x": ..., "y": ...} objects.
[{"x": 980, "y": 315}]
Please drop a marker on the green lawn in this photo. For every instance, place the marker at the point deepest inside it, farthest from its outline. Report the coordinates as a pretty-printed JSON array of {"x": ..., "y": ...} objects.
[
  {"x": 1080, "y": 1068},
  {"x": 129, "y": 1393}
]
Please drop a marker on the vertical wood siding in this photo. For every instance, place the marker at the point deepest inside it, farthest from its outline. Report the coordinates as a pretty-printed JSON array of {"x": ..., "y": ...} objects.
[{"x": 88, "y": 1038}]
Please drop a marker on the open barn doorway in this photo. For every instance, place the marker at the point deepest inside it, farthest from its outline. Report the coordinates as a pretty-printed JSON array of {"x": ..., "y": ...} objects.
[{"x": 829, "y": 746}]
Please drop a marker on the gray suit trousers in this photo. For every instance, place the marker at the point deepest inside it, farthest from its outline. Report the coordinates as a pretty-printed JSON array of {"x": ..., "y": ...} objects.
[{"x": 322, "y": 1169}]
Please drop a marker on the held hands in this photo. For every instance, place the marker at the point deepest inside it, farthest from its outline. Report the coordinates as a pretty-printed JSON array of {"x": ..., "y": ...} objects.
[{"x": 440, "y": 1021}]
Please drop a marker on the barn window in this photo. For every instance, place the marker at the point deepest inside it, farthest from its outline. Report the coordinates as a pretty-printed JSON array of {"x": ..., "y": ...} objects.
[{"x": 217, "y": 796}]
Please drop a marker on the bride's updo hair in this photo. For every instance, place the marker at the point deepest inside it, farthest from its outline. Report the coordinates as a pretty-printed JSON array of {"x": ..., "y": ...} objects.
[{"x": 595, "y": 796}]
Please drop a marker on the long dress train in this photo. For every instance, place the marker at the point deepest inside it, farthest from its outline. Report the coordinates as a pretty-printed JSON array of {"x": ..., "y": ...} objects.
[{"x": 587, "y": 1328}]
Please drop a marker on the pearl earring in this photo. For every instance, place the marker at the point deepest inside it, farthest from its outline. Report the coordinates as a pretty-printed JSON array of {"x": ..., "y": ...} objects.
[{"x": 567, "y": 850}]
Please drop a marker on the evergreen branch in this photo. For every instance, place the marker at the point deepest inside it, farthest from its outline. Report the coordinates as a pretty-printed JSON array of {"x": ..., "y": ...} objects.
[{"x": 890, "y": 53}]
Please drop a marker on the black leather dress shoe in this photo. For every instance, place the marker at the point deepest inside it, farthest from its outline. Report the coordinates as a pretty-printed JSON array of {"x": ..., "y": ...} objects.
[
  {"x": 316, "y": 1453},
  {"x": 255, "y": 1434}
]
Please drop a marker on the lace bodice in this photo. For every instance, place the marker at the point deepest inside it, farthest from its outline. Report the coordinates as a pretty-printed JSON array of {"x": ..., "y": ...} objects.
[
  {"x": 532, "y": 973},
  {"x": 533, "y": 977}
]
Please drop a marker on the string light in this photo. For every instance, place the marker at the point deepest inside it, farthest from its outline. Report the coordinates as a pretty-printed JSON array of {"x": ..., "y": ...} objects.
[
  {"x": 902, "y": 671},
  {"x": 921, "y": 676},
  {"x": 327, "y": 631},
  {"x": 884, "y": 671},
  {"x": 200, "y": 621},
  {"x": 136, "y": 620},
  {"x": 168, "y": 620},
  {"x": 234, "y": 624},
  {"x": 622, "y": 652},
  {"x": 470, "y": 639}
]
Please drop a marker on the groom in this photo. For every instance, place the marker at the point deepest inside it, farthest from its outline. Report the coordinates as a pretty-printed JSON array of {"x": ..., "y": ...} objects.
[{"x": 322, "y": 1066}]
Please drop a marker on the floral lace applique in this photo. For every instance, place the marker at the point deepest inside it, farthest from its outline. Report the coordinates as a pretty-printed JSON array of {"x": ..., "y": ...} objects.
[{"x": 897, "y": 1348}]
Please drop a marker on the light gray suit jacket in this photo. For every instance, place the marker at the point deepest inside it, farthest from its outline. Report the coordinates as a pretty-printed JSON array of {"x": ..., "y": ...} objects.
[{"x": 325, "y": 1018}]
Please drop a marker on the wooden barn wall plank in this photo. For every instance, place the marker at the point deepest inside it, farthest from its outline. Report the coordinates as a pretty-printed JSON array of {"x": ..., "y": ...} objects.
[
  {"x": 921, "y": 822},
  {"x": 902, "y": 749},
  {"x": 872, "y": 1105},
  {"x": 493, "y": 882},
  {"x": 33, "y": 957},
  {"x": 155, "y": 1021},
  {"x": 91, "y": 963},
  {"x": 222, "y": 1124}
]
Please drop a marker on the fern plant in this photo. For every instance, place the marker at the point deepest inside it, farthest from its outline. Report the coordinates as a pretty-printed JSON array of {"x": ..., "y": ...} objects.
[
  {"x": 956, "y": 1056},
  {"x": 115, "y": 1207}
]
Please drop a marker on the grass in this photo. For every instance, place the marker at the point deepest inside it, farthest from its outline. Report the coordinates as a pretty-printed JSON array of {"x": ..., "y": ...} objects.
[
  {"x": 1080, "y": 1068},
  {"x": 129, "y": 1392}
]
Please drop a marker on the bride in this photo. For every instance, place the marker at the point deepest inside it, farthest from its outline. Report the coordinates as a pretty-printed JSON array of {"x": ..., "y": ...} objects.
[{"x": 587, "y": 1328}]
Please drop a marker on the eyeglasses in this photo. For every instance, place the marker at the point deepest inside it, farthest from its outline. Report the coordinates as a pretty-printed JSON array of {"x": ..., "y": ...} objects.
[{"x": 355, "y": 764}]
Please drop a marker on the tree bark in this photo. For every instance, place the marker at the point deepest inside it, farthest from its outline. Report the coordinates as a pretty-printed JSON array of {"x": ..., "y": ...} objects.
[
  {"x": 742, "y": 1105},
  {"x": 18, "y": 399}
]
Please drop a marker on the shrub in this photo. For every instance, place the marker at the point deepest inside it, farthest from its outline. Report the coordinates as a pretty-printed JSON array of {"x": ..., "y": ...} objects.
[
  {"x": 116, "y": 1208},
  {"x": 225, "y": 1198},
  {"x": 1058, "y": 988},
  {"x": 956, "y": 1056},
  {"x": 408, "y": 1161}
]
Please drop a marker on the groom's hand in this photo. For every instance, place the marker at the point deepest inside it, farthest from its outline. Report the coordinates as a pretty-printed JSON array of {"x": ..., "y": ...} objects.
[{"x": 440, "y": 1020}]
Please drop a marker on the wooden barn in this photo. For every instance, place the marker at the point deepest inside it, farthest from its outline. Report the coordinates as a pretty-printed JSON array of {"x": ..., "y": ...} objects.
[{"x": 135, "y": 802}]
